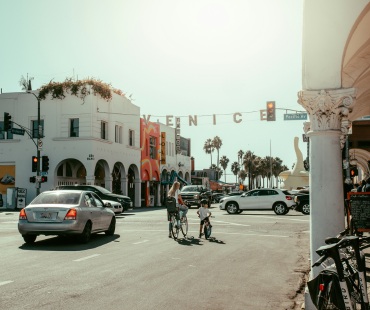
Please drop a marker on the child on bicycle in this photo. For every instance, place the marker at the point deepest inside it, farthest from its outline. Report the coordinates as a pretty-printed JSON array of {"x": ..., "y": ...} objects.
[{"x": 203, "y": 214}]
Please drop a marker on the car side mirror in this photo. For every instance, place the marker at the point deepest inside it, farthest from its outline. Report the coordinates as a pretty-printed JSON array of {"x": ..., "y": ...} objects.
[{"x": 107, "y": 205}]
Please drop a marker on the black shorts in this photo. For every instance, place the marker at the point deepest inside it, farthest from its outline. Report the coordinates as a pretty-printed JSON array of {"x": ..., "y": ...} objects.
[{"x": 206, "y": 219}]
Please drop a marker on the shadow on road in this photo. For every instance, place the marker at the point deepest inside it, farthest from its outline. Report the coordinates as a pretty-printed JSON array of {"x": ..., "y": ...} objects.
[
  {"x": 69, "y": 243},
  {"x": 190, "y": 241},
  {"x": 213, "y": 239}
]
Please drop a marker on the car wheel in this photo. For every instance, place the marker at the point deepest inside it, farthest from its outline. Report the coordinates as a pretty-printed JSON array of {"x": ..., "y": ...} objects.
[
  {"x": 232, "y": 208},
  {"x": 280, "y": 208},
  {"x": 86, "y": 234},
  {"x": 29, "y": 238},
  {"x": 306, "y": 209},
  {"x": 112, "y": 227}
]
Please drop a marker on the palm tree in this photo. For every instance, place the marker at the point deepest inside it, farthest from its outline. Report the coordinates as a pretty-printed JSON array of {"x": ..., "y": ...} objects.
[
  {"x": 208, "y": 148},
  {"x": 242, "y": 175},
  {"x": 248, "y": 165},
  {"x": 278, "y": 167},
  {"x": 224, "y": 161},
  {"x": 217, "y": 143},
  {"x": 240, "y": 157},
  {"x": 235, "y": 168}
]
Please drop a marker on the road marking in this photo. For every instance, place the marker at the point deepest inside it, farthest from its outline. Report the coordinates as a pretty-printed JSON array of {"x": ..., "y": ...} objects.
[
  {"x": 141, "y": 242},
  {"x": 258, "y": 235},
  {"x": 87, "y": 257},
  {"x": 5, "y": 282},
  {"x": 229, "y": 223}
]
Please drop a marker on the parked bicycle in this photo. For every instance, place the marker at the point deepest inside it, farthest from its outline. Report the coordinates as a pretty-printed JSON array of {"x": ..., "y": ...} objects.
[{"x": 342, "y": 283}]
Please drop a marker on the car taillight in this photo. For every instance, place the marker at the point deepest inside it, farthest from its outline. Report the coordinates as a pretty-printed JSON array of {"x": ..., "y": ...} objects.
[
  {"x": 288, "y": 197},
  {"x": 71, "y": 214},
  {"x": 22, "y": 215}
]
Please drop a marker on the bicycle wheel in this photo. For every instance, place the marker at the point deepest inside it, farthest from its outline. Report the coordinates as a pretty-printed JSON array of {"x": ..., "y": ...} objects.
[
  {"x": 207, "y": 231},
  {"x": 174, "y": 228},
  {"x": 184, "y": 226}
]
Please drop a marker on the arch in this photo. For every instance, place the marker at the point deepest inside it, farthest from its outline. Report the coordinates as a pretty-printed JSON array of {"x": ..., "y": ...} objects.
[{"x": 70, "y": 171}]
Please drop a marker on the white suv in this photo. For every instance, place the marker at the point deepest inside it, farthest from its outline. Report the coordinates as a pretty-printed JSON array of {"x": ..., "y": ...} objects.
[{"x": 280, "y": 201}]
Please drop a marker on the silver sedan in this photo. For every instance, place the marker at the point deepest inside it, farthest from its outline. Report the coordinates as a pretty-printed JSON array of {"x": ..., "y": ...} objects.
[{"x": 66, "y": 212}]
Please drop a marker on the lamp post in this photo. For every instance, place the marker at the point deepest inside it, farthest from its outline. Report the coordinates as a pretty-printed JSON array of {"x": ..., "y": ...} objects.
[{"x": 39, "y": 144}]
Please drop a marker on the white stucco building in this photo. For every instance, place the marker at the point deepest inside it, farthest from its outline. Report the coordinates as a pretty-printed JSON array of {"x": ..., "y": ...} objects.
[
  {"x": 335, "y": 92},
  {"x": 86, "y": 139}
]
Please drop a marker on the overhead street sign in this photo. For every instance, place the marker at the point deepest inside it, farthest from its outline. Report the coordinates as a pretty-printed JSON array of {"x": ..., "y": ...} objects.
[
  {"x": 17, "y": 131},
  {"x": 295, "y": 116}
]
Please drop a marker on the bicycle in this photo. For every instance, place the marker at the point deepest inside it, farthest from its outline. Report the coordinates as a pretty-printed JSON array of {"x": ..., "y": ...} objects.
[
  {"x": 341, "y": 284},
  {"x": 207, "y": 227},
  {"x": 174, "y": 216}
]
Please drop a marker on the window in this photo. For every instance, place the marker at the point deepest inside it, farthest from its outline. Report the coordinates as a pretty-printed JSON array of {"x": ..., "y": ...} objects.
[
  {"x": 35, "y": 129},
  {"x": 118, "y": 134},
  {"x": 152, "y": 147},
  {"x": 8, "y": 135},
  {"x": 131, "y": 136},
  {"x": 104, "y": 130},
  {"x": 74, "y": 127}
]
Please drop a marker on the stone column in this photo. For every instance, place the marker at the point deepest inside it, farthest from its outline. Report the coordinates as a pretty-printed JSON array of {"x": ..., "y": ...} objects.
[
  {"x": 328, "y": 111},
  {"x": 124, "y": 185}
]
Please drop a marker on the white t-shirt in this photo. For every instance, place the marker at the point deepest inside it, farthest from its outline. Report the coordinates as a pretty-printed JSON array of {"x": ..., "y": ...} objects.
[{"x": 203, "y": 213}]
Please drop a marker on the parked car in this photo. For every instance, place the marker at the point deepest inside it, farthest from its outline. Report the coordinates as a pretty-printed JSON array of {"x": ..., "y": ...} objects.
[
  {"x": 280, "y": 201},
  {"x": 115, "y": 206},
  {"x": 66, "y": 212},
  {"x": 193, "y": 194},
  {"x": 302, "y": 201},
  {"x": 103, "y": 193}
]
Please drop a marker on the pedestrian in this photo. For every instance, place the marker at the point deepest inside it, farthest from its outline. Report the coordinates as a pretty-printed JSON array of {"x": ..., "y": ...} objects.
[
  {"x": 362, "y": 184},
  {"x": 204, "y": 214},
  {"x": 183, "y": 210},
  {"x": 366, "y": 187}
]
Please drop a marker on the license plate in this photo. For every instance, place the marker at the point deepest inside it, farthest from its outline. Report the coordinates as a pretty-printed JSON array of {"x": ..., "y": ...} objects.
[{"x": 47, "y": 215}]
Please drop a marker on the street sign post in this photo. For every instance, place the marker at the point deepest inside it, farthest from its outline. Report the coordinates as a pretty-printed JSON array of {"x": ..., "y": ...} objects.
[{"x": 295, "y": 117}]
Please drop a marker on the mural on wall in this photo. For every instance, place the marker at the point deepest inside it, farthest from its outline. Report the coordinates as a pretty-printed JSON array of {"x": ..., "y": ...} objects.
[{"x": 7, "y": 177}]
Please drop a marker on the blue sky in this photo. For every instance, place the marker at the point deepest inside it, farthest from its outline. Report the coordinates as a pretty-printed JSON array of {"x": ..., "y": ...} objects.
[{"x": 174, "y": 57}]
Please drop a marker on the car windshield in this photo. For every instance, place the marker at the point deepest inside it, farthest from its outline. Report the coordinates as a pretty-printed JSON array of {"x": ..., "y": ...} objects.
[{"x": 57, "y": 198}]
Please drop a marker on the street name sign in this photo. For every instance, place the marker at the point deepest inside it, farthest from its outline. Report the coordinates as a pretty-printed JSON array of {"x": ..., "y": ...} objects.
[
  {"x": 295, "y": 116},
  {"x": 17, "y": 131}
]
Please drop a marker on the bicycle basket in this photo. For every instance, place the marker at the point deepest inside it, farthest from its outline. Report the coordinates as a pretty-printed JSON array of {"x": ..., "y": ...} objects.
[{"x": 171, "y": 204}]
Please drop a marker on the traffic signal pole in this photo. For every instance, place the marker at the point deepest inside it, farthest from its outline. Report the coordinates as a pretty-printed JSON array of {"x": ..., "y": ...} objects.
[{"x": 38, "y": 144}]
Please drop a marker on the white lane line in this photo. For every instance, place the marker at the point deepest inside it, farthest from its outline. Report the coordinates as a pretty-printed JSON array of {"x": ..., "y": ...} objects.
[
  {"x": 229, "y": 223},
  {"x": 141, "y": 242},
  {"x": 87, "y": 257},
  {"x": 5, "y": 282}
]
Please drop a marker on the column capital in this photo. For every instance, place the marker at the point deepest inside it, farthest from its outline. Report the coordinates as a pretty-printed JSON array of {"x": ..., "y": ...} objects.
[{"x": 328, "y": 108}]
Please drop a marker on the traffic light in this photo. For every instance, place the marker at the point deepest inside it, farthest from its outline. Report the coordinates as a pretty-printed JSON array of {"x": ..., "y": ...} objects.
[
  {"x": 45, "y": 163},
  {"x": 353, "y": 171},
  {"x": 7, "y": 121},
  {"x": 270, "y": 111},
  {"x": 34, "y": 163},
  {"x": 33, "y": 179},
  {"x": 44, "y": 179}
]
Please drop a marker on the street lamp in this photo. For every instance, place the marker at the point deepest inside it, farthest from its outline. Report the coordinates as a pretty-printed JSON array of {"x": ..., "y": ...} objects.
[{"x": 39, "y": 143}]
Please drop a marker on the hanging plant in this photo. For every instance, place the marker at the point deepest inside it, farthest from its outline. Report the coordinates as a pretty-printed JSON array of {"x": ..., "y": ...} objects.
[{"x": 79, "y": 89}]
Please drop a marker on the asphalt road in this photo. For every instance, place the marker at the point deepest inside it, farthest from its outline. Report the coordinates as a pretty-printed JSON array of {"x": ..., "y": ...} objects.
[{"x": 256, "y": 260}]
